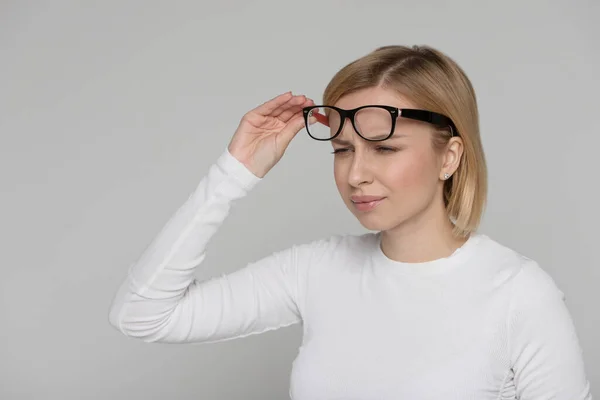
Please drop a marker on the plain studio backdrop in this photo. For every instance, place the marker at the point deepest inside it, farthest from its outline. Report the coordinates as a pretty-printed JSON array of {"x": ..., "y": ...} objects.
[{"x": 111, "y": 113}]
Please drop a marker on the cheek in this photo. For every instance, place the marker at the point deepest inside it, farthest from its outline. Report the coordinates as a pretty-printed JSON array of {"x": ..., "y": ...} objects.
[{"x": 410, "y": 172}]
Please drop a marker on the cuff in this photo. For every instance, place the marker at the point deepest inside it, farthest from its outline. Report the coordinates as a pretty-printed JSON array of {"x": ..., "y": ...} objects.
[{"x": 234, "y": 168}]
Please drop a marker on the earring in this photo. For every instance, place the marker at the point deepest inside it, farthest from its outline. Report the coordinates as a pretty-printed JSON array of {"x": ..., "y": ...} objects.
[{"x": 446, "y": 175}]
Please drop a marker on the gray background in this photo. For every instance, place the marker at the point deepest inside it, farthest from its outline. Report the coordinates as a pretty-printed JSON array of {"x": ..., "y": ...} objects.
[{"x": 111, "y": 113}]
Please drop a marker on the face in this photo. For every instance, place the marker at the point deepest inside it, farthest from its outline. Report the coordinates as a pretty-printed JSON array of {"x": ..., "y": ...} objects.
[{"x": 401, "y": 174}]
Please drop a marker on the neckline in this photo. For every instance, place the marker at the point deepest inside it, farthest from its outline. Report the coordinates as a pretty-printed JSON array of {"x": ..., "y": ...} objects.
[{"x": 439, "y": 265}]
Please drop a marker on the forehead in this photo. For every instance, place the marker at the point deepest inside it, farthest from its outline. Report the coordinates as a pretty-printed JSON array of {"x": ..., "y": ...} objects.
[{"x": 375, "y": 95}]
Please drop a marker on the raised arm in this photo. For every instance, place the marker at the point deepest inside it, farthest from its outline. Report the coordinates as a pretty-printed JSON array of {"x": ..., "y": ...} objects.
[{"x": 160, "y": 300}]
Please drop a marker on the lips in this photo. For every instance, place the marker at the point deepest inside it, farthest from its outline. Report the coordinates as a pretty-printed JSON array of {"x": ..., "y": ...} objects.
[
  {"x": 366, "y": 203},
  {"x": 365, "y": 199}
]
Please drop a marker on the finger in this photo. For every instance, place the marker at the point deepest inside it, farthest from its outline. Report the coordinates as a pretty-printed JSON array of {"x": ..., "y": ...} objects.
[
  {"x": 289, "y": 113},
  {"x": 292, "y": 128},
  {"x": 269, "y": 106},
  {"x": 294, "y": 101}
]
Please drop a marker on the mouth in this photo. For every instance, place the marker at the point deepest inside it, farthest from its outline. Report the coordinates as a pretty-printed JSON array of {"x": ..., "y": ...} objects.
[{"x": 366, "y": 203}]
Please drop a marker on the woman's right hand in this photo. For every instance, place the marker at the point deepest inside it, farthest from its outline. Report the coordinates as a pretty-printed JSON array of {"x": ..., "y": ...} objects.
[{"x": 265, "y": 132}]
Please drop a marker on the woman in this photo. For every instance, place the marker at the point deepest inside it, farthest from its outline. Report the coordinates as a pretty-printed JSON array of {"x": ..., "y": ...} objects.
[{"x": 424, "y": 308}]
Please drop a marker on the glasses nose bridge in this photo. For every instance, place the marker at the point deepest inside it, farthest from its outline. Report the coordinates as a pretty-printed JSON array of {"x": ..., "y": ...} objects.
[{"x": 348, "y": 114}]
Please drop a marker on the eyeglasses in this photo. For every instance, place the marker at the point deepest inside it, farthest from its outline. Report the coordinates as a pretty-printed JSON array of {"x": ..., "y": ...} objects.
[{"x": 371, "y": 122}]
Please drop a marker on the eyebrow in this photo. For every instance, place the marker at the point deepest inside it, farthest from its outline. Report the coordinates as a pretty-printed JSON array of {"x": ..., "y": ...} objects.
[
  {"x": 343, "y": 142},
  {"x": 340, "y": 141}
]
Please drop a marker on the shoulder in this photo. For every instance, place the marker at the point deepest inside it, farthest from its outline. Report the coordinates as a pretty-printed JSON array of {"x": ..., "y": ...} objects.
[
  {"x": 529, "y": 279},
  {"x": 508, "y": 266},
  {"x": 533, "y": 286},
  {"x": 529, "y": 283}
]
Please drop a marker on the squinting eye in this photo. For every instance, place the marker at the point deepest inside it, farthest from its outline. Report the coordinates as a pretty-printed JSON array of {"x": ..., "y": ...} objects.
[
  {"x": 383, "y": 149},
  {"x": 380, "y": 149},
  {"x": 338, "y": 151}
]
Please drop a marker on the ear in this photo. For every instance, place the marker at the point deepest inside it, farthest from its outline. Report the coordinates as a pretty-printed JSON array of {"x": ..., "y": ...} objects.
[{"x": 451, "y": 157}]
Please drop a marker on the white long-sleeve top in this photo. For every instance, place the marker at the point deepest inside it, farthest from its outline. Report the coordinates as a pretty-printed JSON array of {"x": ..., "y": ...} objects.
[{"x": 483, "y": 323}]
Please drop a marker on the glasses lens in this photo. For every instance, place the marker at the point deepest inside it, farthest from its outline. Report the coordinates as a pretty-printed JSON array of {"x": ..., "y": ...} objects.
[
  {"x": 373, "y": 123},
  {"x": 328, "y": 122}
]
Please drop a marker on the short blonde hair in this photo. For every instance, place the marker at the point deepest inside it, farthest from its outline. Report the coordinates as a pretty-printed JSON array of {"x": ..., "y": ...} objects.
[{"x": 433, "y": 81}]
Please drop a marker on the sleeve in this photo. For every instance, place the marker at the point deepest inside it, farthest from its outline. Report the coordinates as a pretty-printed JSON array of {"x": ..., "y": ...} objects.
[
  {"x": 545, "y": 353},
  {"x": 161, "y": 301}
]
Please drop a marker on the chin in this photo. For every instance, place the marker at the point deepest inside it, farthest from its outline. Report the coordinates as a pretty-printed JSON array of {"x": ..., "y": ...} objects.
[{"x": 374, "y": 222}]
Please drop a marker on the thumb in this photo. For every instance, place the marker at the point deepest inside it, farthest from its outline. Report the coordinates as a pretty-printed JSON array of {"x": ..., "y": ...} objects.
[{"x": 292, "y": 128}]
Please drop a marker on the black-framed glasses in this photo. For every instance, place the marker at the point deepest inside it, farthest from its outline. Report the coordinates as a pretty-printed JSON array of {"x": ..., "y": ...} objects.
[{"x": 371, "y": 122}]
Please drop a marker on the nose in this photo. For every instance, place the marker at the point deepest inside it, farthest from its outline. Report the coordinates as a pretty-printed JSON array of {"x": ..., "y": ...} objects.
[{"x": 359, "y": 172}]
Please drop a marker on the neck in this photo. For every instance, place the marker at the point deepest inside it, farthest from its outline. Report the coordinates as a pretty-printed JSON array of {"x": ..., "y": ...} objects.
[{"x": 425, "y": 237}]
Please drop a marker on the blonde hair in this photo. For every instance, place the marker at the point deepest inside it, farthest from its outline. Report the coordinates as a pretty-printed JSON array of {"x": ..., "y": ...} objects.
[{"x": 433, "y": 81}]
